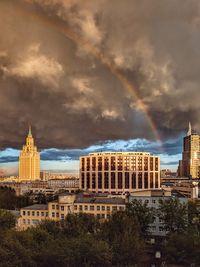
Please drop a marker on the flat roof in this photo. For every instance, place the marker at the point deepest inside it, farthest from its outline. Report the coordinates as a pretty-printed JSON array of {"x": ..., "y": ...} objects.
[
  {"x": 102, "y": 200},
  {"x": 36, "y": 207},
  {"x": 119, "y": 153}
]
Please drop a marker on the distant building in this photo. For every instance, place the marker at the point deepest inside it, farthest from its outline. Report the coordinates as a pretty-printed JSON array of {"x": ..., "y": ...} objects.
[
  {"x": 189, "y": 166},
  {"x": 32, "y": 216},
  {"x": 187, "y": 188},
  {"x": 29, "y": 160},
  {"x": 152, "y": 199},
  {"x": 119, "y": 172},
  {"x": 64, "y": 183},
  {"x": 167, "y": 173}
]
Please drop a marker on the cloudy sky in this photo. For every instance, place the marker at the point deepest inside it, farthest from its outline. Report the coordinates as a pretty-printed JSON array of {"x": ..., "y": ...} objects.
[{"x": 98, "y": 75}]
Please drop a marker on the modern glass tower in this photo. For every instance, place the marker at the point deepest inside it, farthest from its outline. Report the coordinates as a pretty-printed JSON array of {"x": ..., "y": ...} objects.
[{"x": 189, "y": 166}]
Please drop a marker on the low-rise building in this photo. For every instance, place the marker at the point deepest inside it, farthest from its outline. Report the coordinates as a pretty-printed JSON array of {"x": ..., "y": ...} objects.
[
  {"x": 32, "y": 216},
  {"x": 152, "y": 199},
  {"x": 101, "y": 206}
]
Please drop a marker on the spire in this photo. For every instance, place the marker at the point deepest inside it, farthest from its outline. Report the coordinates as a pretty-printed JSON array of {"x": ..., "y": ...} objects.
[
  {"x": 29, "y": 131},
  {"x": 189, "y": 130}
]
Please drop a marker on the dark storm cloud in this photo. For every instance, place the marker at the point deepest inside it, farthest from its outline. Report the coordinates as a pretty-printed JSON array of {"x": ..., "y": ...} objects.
[
  {"x": 70, "y": 97},
  {"x": 7, "y": 159}
]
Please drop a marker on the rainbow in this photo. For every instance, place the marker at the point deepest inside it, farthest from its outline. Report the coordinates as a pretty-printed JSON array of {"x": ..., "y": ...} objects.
[{"x": 97, "y": 53}]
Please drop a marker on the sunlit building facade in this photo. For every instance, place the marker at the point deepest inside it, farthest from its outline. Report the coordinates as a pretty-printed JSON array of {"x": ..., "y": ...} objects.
[
  {"x": 119, "y": 172},
  {"x": 189, "y": 166},
  {"x": 29, "y": 161}
]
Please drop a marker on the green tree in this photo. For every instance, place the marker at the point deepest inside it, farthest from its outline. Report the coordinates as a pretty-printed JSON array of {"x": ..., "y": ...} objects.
[
  {"x": 123, "y": 233},
  {"x": 174, "y": 215},
  {"x": 77, "y": 224},
  {"x": 142, "y": 213},
  {"x": 182, "y": 249},
  {"x": 7, "y": 220},
  {"x": 194, "y": 216}
]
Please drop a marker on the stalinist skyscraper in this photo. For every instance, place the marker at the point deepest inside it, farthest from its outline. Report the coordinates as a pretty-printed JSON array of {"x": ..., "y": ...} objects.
[{"x": 29, "y": 160}]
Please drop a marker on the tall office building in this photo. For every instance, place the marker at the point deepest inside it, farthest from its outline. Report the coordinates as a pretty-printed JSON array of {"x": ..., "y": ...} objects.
[
  {"x": 189, "y": 166},
  {"x": 119, "y": 172},
  {"x": 29, "y": 160}
]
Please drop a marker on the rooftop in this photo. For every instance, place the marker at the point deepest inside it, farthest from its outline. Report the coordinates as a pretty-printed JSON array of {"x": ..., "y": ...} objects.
[
  {"x": 119, "y": 153},
  {"x": 36, "y": 207},
  {"x": 102, "y": 200}
]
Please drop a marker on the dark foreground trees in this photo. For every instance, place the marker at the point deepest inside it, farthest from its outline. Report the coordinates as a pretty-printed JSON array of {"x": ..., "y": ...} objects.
[{"x": 79, "y": 240}]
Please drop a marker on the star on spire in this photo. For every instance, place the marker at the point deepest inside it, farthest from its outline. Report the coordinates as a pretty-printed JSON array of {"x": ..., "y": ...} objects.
[{"x": 29, "y": 131}]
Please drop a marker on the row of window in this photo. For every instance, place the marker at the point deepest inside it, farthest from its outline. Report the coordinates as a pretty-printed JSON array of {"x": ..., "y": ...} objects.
[
  {"x": 97, "y": 208},
  {"x": 116, "y": 180},
  {"x": 99, "y": 163},
  {"x": 34, "y": 213}
]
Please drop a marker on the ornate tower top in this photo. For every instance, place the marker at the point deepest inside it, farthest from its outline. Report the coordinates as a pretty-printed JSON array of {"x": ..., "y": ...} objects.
[
  {"x": 189, "y": 130},
  {"x": 29, "y": 131}
]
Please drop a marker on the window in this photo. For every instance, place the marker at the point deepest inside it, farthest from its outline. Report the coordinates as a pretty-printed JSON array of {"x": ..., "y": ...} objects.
[
  {"x": 146, "y": 201},
  {"x": 108, "y": 208},
  {"x": 75, "y": 207},
  {"x": 102, "y": 207},
  {"x": 33, "y": 213},
  {"x": 114, "y": 208},
  {"x": 106, "y": 180},
  {"x": 161, "y": 228},
  {"x": 99, "y": 180},
  {"x": 62, "y": 208},
  {"x": 98, "y": 207},
  {"x": 91, "y": 207},
  {"x": 38, "y": 213},
  {"x": 126, "y": 180},
  {"x": 29, "y": 221},
  {"x": 28, "y": 213},
  {"x": 112, "y": 180},
  {"x": 53, "y": 214},
  {"x": 153, "y": 201},
  {"x": 103, "y": 216},
  {"x": 93, "y": 180},
  {"x": 53, "y": 207},
  {"x": 120, "y": 180},
  {"x": 35, "y": 221},
  {"x": 42, "y": 213},
  {"x": 86, "y": 207},
  {"x": 24, "y": 212},
  {"x": 24, "y": 221},
  {"x": 108, "y": 216},
  {"x": 146, "y": 181},
  {"x": 98, "y": 216},
  {"x": 57, "y": 207},
  {"x": 88, "y": 180},
  {"x": 62, "y": 216},
  {"x": 83, "y": 180},
  {"x": 57, "y": 214},
  {"x": 47, "y": 213},
  {"x": 139, "y": 180}
]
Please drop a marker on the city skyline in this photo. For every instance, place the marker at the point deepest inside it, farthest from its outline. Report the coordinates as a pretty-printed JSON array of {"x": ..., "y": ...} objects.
[{"x": 97, "y": 76}]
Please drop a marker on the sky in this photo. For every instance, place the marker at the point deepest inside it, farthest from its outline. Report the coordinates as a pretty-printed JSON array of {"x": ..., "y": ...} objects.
[{"x": 97, "y": 75}]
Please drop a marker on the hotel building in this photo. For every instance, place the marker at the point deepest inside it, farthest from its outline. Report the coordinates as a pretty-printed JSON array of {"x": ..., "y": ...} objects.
[
  {"x": 119, "y": 172},
  {"x": 189, "y": 166},
  {"x": 29, "y": 160}
]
